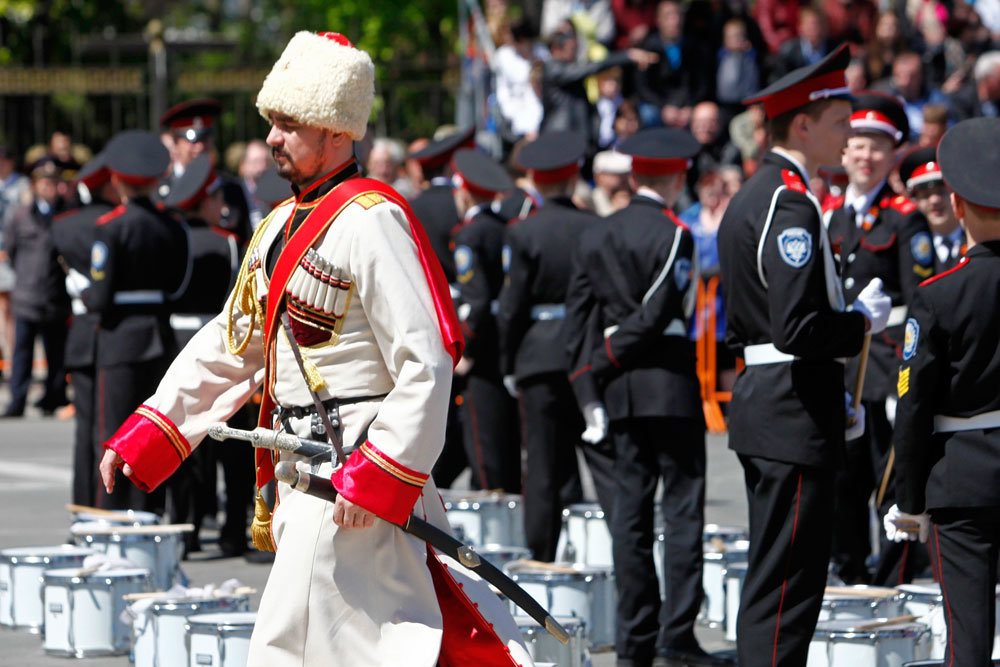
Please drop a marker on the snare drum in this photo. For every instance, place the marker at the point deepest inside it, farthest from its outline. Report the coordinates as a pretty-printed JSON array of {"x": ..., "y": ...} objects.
[
  {"x": 543, "y": 647},
  {"x": 860, "y": 603},
  {"x": 713, "y": 577},
  {"x": 838, "y": 644},
  {"x": 585, "y": 538},
  {"x": 500, "y": 555},
  {"x": 486, "y": 518},
  {"x": 128, "y": 518},
  {"x": 156, "y": 548},
  {"x": 736, "y": 574},
  {"x": 714, "y": 535},
  {"x": 82, "y": 612},
  {"x": 587, "y": 593},
  {"x": 21, "y": 581},
  {"x": 925, "y": 602},
  {"x": 158, "y": 637},
  {"x": 220, "y": 640}
]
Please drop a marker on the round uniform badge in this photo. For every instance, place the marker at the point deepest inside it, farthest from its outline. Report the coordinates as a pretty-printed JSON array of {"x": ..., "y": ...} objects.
[
  {"x": 98, "y": 256},
  {"x": 910, "y": 339},
  {"x": 463, "y": 259},
  {"x": 920, "y": 246},
  {"x": 505, "y": 259},
  {"x": 682, "y": 273},
  {"x": 795, "y": 247}
]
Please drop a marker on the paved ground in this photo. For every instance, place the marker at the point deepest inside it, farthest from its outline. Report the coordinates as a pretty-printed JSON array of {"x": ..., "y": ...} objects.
[{"x": 35, "y": 475}]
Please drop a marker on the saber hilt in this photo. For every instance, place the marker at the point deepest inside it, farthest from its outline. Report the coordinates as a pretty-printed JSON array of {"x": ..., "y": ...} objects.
[
  {"x": 321, "y": 487},
  {"x": 276, "y": 440}
]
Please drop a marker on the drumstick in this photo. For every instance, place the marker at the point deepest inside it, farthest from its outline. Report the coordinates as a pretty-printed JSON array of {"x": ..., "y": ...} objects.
[
  {"x": 860, "y": 384},
  {"x": 550, "y": 567},
  {"x": 97, "y": 511},
  {"x": 885, "y": 477},
  {"x": 864, "y": 592},
  {"x": 877, "y": 623}
]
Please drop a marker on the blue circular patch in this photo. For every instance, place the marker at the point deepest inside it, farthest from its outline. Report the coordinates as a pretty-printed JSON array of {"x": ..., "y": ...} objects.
[
  {"x": 98, "y": 256},
  {"x": 795, "y": 247},
  {"x": 463, "y": 258},
  {"x": 505, "y": 258},
  {"x": 682, "y": 272},
  {"x": 910, "y": 339},
  {"x": 920, "y": 247}
]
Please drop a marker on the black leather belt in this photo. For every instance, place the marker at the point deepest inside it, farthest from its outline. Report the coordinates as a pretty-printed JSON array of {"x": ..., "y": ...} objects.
[{"x": 332, "y": 406}]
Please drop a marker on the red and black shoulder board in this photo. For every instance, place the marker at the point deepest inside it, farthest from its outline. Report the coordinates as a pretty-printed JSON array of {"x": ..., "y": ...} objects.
[
  {"x": 677, "y": 221},
  {"x": 793, "y": 181},
  {"x": 111, "y": 215},
  {"x": 833, "y": 203},
  {"x": 900, "y": 203},
  {"x": 962, "y": 262}
]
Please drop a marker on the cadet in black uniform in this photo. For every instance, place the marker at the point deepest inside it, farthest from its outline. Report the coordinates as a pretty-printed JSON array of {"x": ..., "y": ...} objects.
[
  {"x": 921, "y": 175},
  {"x": 947, "y": 435},
  {"x": 491, "y": 434},
  {"x": 138, "y": 263},
  {"x": 537, "y": 259},
  {"x": 215, "y": 260},
  {"x": 875, "y": 234},
  {"x": 192, "y": 125},
  {"x": 74, "y": 238},
  {"x": 785, "y": 315},
  {"x": 435, "y": 208},
  {"x": 632, "y": 292}
]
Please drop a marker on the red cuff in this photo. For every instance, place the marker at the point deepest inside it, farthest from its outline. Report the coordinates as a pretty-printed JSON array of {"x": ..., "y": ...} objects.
[
  {"x": 151, "y": 444},
  {"x": 379, "y": 484}
]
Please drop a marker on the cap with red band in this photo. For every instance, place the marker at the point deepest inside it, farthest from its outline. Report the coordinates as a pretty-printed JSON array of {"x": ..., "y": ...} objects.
[
  {"x": 95, "y": 173},
  {"x": 438, "y": 153},
  {"x": 876, "y": 112},
  {"x": 198, "y": 181},
  {"x": 920, "y": 166},
  {"x": 136, "y": 157},
  {"x": 192, "y": 120},
  {"x": 553, "y": 157},
  {"x": 480, "y": 174},
  {"x": 970, "y": 162},
  {"x": 660, "y": 151},
  {"x": 819, "y": 81}
]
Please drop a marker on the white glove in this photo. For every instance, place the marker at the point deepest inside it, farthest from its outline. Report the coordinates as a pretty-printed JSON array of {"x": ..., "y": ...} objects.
[
  {"x": 76, "y": 283},
  {"x": 596, "y": 419},
  {"x": 855, "y": 430},
  {"x": 890, "y": 409},
  {"x": 875, "y": 305},
  {"x": 510, "y": 383},
  {"x": 901, "y": 526}
]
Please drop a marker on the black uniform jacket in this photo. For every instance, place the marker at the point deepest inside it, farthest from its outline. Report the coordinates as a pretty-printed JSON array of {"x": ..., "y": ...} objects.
[
  {"x": 777, "y": 290},
  {"x": 632, "y": 281},
  {"x": 74, "y": 238},
  {"x": 538, "y": 256},
  {"x": 215, "y": 260},
  {"x": 435, "y": 209},
  {"x": 951, "y": 367},
  {"x": 479, "y": 270},
  {"x": 894, "y": 244},
  {"x": 138, "y": 261}
]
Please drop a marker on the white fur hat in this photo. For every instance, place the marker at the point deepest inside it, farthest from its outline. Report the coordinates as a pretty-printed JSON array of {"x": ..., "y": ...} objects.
[{"x": 323, "y": 81}]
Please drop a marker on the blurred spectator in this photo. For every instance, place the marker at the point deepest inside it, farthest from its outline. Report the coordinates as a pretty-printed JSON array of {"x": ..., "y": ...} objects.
[
  {"x": 778, "y": 20},
  {"x": 682, "y": 77},
  {"x": 855, "y": 75},
  {"x": 945, "y": 60},
  {"x": 732, "y": 179},
  {"x": 716, "y": 149},
  {"x": 384, "y": 161},
  {"x": 611, "y": 170},
  {"x": 634, "y": 19},
  {"x": 15, "y": 191},
  {"x": 738, "y": 75},
  {"x": 907, "y": 83},
  {"x": 850, "y": 20},
  {"x": 621, "y": 198},
  {"x": 749, "y": 133},
  {"x": 61, "y": 151},
  {"x": 703, "y": 218},
  {"x": 519, "y": 105},
  {"x": 40, "y": 303},
  {"x": 887, "y": 43},
  {"x": 626, "y": 120},
  {"x": 807, "y": 48},
  {"x": 989, "y": 13},
  {"x": 255, "y": 161},
  {"x": 935, "y": 123},
  {"x": 737, "y": 9},
  {"x": 414, "y": 172},
  {"x": 609, "y": 88},
  {"x": 981, "y": 96},
  {"x": 564, "y": 97},
  {"x": 591, "y": 17}
]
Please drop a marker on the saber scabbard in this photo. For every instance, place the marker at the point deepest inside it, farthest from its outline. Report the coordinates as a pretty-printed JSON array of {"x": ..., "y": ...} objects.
[
  {"x": 276, "y": 440},
  {"x": 322, "y": 487}
]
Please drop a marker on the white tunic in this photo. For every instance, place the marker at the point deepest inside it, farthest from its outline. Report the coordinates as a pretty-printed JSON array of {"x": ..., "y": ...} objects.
[{"x": 344, "y": 597}]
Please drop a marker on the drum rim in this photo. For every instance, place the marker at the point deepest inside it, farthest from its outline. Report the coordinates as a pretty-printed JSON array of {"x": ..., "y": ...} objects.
[
  {"x": 70, "y": 550},
  {"x": 172, "y": 605},
  {"x": 560, "y": 576},
  {"x": 61, "y": 574}
]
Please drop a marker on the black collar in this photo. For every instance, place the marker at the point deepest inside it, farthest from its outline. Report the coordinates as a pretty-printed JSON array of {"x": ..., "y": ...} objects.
[{"x": 321, "y": 187}]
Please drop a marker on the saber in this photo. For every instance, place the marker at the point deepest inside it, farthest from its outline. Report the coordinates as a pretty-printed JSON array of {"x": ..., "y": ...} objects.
[
  {"x": 276, "y": 440},
  {"x": 322, "y": 487}
]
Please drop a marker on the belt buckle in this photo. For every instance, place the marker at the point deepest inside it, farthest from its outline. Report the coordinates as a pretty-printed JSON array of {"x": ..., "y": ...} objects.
[{"x": 316, "y": 426}]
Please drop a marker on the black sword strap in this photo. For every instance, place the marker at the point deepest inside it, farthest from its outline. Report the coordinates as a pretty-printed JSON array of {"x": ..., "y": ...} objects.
[{"x": 331, "y": 433}]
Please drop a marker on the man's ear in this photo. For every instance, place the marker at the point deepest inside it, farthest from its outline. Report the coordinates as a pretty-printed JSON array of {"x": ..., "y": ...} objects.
[
  {"x": 957, "y": 205},
  {"x": 338, "y": 139}
]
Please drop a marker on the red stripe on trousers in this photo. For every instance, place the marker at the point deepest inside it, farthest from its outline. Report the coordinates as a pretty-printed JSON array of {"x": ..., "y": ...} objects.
[{"x": 788, "y": 566}]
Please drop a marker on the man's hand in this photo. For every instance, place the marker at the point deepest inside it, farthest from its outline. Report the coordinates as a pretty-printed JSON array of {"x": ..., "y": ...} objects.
[
  {"x": 642, "y": 58},
  {"x": 901, "y": 526},
  {"x": 463, "y": 366},
  {"x": 875, "y": 305},
  {"x": 348, "y": 515},
  {"x": 111, "y": 462},
  {"x": 596, "y": 419}
]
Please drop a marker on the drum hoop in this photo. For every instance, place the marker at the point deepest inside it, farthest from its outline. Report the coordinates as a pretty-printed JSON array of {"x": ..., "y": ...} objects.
[{"x": 914, "y": 630}]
